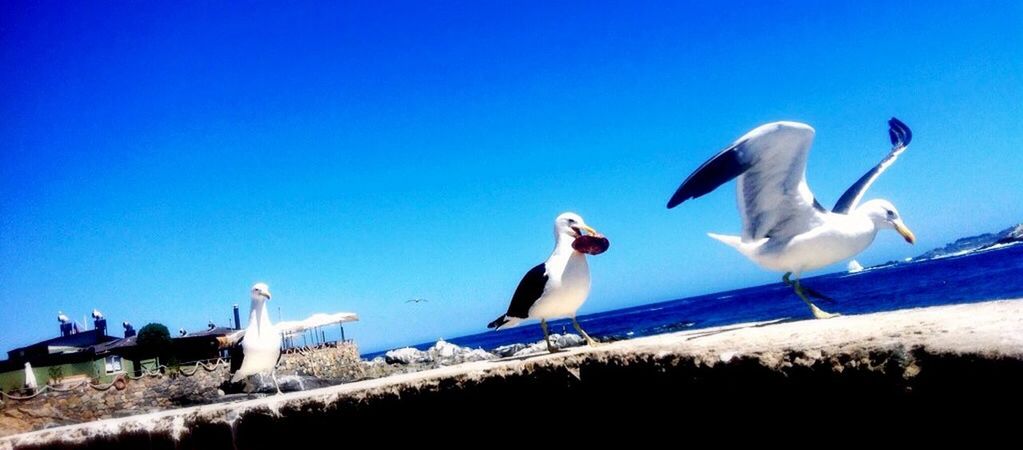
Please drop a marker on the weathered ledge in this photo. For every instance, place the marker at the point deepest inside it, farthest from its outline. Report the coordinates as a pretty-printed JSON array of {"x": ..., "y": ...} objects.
[{"x": 916, "y": 362}]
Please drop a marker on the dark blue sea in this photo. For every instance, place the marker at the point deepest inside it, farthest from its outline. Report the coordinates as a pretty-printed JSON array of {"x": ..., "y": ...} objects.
[{"x": 975, "y": 277}]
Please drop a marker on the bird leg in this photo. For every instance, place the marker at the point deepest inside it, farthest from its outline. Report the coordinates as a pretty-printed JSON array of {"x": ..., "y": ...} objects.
[
  {"x": 579, "y": 329},
  {"x": 273, "y": 375},
  {"x": 815, "y": 294},
  {"x": 547, "y": 336},
  {"x": 817, "y": 312}
]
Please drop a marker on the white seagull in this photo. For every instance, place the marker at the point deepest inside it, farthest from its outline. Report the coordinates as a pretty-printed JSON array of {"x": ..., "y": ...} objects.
[
  {"x": 96, "y": 314},
  {"x": 784, "y": 228},
  {"x": 257, "y": 348},
  {"x": 62, "y": 318},
  {"x": 260, "y": 342},
  {"x": 557, "y": 287}
]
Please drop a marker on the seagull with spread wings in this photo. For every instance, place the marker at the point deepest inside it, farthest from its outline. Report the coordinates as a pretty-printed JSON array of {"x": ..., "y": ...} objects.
[{"x": 784, "y": 228}]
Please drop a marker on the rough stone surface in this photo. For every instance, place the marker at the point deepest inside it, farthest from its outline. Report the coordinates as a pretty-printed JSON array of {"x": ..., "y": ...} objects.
[
  {"x": 943, "y": 362},
  {"x": 340, "y": 363},
  {"x": 155, "y": 393}
]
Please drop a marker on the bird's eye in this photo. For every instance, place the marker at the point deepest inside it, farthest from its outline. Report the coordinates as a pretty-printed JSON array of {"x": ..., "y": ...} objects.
[{"x": 891, "y": 213}]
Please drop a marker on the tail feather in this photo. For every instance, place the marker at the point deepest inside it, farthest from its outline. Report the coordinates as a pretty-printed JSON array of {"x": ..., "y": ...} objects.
[
  {"x": 733, "y": 241},
  {"x": 746, "y": 248}
]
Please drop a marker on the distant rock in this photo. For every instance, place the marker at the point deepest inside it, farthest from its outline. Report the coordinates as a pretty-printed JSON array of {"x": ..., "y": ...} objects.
[
  {"x": 854, "y": 266},
  {"x": 505, "y": 351},
  {"x": 1011, "y": 235},
  {"x": 446, "y": 353},
  {"x": 969, "y": 244},
  {"x": 407, "y": 355},
  {"x": 444, "y": 350},
  {"x": 442, "y": 353},
  {"x": 561, "y": 341},
  {"x": 479, "y": 354}
]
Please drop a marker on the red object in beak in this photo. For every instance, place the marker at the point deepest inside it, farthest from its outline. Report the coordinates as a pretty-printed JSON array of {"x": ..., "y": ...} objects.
[{"x": 591, "y": 244}]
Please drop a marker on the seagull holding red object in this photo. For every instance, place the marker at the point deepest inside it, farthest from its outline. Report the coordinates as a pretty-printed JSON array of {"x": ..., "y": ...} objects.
[{"x": 557, "y": 287}]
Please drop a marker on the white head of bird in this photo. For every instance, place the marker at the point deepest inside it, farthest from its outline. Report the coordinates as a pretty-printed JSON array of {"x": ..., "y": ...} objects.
[
  {"x": 885, "y": 217},
  {"x": 569, "y": 226},
  {"x": 260, "y": 292},
  {"x": 258, "y": 315}
]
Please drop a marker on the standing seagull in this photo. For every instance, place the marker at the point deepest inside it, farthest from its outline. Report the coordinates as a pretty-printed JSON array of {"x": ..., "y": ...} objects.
[
  {"x": 261, "y": 343},
  {"x": 557, "y": 287},
  {"x": 784, "y": 227}
]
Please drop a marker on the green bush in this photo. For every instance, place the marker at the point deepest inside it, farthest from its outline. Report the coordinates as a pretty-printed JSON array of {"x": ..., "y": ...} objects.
[
  {"x": 56, "y": 373},
  {"x": 154, "y": 340}
]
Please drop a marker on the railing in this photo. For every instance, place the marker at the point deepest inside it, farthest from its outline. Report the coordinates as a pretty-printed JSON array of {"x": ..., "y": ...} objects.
[{"x": 303, "y": 349}]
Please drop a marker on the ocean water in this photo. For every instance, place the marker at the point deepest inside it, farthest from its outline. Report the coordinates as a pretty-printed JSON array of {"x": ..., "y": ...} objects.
[{"x": 974, "y": 277}]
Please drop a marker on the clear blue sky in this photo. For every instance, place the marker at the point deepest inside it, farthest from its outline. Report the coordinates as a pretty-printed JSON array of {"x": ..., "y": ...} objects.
[{"x": 155, "y": 161}]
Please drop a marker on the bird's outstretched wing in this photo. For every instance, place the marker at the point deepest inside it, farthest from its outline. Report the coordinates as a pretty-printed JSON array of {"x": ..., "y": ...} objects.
[
  {"x": 316, "y": 320},
  {"x": 529, "y": 290},
  {"x": 900, "y": 136},
  {"x": 232, "y": 339},
  {"x": 770, "y": 163}
]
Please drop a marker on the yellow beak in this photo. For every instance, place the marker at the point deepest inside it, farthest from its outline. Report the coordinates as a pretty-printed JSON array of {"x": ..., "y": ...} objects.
[
  {"x": 589, "y": 230},
  {"x": 904, "y": 231}
]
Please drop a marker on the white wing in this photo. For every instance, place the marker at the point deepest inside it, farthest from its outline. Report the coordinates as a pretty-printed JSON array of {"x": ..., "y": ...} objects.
[
  {"x": 770, "y": 163},
  {"x": 232, "y": 339},
  {"x": 316, "y": 320}
]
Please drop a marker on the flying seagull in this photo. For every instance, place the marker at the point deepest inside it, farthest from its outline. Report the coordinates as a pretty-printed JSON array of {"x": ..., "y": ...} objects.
[
  {"x": 784, "y": 228},
  {"x": 557, "y": 287},
  {"x": 417, "y": 300}
]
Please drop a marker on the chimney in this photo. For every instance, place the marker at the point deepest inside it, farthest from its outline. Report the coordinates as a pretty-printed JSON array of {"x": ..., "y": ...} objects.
[
  {"x": 129, "y": 330},
  {"x": 101, "y": 326},
  {"x": 65, "y": 329},
  {"x": 237, "y": 319}
]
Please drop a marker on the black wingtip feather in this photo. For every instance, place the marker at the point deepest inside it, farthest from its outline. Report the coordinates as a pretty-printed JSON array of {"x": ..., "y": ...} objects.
[
  {"x": 720, "y": 169},
  {"x": 498, "y": 322},
  {"x": 899, "y": 133}
]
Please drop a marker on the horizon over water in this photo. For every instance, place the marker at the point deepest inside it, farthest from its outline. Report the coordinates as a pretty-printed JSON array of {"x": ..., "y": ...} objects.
[{"x": 975, "y": 277}]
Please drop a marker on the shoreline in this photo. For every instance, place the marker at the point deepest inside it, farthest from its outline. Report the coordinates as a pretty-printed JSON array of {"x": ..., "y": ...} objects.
[
  {"x": 791, "y": 307},
  {"x": 899, "y": 355}
]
